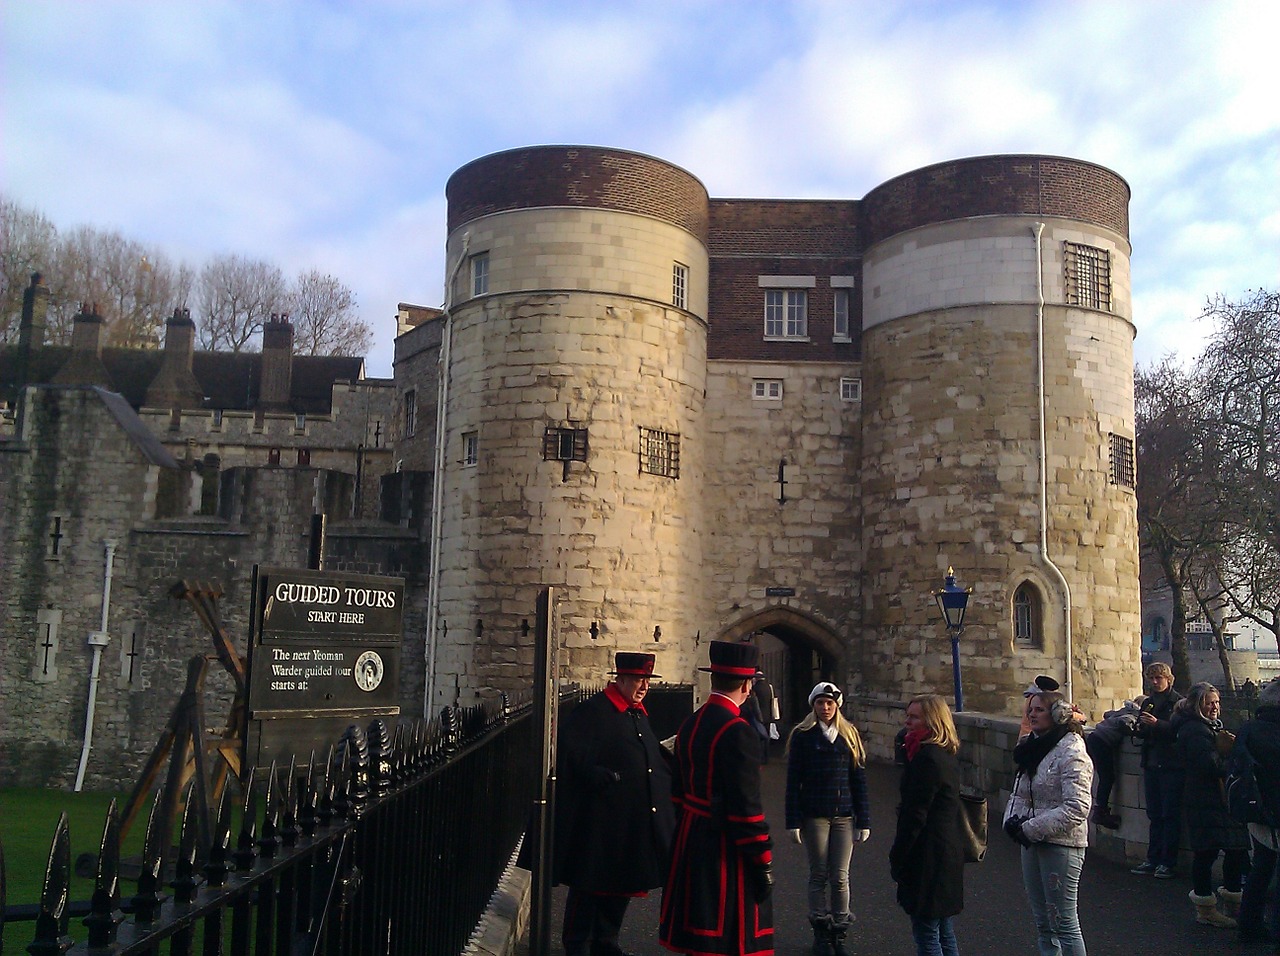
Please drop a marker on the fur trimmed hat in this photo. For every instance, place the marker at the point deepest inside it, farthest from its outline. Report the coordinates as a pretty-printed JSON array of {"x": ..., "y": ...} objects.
[{"x": 825, "y": 689}]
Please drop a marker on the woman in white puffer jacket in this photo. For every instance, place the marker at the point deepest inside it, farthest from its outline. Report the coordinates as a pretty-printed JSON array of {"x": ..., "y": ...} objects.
[{"x": 1048, "y": 814}]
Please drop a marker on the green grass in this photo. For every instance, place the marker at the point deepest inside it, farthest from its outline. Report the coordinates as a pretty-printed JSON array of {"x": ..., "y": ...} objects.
[{"x": 28, "y": 819}]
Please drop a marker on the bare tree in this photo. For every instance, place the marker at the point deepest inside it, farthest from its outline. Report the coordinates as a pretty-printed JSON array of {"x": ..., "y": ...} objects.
[
  {"x": 325, "y": 319},
  {"x": 237, "y": 296},
  {"x": 28, "y": 243},
  {"x": 1171, "y": 488}
]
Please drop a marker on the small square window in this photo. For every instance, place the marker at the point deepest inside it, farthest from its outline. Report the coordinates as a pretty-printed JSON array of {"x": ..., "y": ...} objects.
[
  {"x": 659, "y": 453},
  {"x": 840, "y": 317},
  {"x": 767, "y": 390},
  {"x": 564, "y": 444},
  {"x": 850, "y": 389},
  {"x": 471, "y": 448},
  {"x": 680, "y": 285},
  {"x": 480, "y": 274},
  {"x": 1122, "y": 470},
  {"x": 786, "y": 314}
]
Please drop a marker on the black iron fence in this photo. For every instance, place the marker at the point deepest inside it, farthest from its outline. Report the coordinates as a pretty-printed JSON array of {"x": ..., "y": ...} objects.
[{"x": 393, "y": 844}]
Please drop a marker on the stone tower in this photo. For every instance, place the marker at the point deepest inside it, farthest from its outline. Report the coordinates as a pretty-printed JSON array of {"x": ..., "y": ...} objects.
[
  {"x": 997, "y": 339},
  {"x": 574, "y": 380}
]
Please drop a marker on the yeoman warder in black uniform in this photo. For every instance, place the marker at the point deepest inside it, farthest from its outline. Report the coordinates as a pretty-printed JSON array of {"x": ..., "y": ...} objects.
[{"x": 614, "y": 816}]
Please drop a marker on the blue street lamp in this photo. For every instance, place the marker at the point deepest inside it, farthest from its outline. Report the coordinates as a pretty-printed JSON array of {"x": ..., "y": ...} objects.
[{"x": 952, "y": 601}]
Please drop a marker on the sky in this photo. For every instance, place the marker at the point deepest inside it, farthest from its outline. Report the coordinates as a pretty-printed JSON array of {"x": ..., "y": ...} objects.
[{"x": 321, "y": 134}]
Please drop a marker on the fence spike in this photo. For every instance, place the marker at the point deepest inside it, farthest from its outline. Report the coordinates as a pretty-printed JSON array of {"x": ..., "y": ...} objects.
[
  {"x": 291, "y": 800},
  {"x": 218, "y": 866},
  {"x": 148, "y": 899},
  {"x": 270, "y": 839},
  {"x": 379, "y": 739},
  {"x": 308, "y": 799},
  {"x": 245, "y": 852},
  {"x": 52, "y": 920},
  {"x": 184, "y": 882},
  {"x": 105, "y": 914}
]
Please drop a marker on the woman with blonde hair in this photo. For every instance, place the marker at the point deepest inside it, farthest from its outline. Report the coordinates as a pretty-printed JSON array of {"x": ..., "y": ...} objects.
[
  {"x": 927, "y": 858},
  {"x": 1047, "y": 814},
  {"x": 827, "y": 810}
]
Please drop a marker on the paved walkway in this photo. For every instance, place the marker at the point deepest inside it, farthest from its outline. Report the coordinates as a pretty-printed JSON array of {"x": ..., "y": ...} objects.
[{"x": 1122, "y": 914}]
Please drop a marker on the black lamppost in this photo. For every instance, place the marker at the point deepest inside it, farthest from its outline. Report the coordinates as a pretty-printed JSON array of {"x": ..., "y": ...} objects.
[{"x": 952, "y": 601}]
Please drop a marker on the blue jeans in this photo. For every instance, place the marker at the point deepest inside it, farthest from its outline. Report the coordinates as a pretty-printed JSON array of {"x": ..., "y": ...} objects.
[
  {"x": 1163, "y": 790},
  {"x": 1051, "y": 876},
  {"x": 829, "y": 843},
  {"x": 934, "y": 937}
]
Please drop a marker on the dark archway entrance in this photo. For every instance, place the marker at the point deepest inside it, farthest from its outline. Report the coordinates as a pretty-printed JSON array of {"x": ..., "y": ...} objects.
[{"x": 796, "y": 651}]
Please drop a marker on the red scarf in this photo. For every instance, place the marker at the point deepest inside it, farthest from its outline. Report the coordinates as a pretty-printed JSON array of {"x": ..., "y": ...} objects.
[{"x": 914, "y": 740}]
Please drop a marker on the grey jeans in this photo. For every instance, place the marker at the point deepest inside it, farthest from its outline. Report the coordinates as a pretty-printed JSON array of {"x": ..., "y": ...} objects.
[
  {"x": 829, "y": 843},
  {"x": 1051, "y": 876}
]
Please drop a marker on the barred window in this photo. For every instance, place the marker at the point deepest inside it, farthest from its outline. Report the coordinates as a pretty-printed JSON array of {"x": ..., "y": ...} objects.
[
  {"x": 1027, "y": 626},
  {"x": 564, "y": 444},
  {"x": 1088, "y": 275},
  {"x": 659, "y": 453},
  {"x": 470, "y": 448},
  {"x": 410, "y": 412},
  {"x": 679, "y": 285},
  {"x": 1121, "y": 461}
]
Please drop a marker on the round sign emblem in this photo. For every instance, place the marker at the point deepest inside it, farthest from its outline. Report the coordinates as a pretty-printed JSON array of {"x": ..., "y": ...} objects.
[{"x": 368, "y": 670}]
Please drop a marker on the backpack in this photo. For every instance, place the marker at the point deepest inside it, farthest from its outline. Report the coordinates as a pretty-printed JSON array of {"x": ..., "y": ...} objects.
[{"x": 1245, "y": 803}]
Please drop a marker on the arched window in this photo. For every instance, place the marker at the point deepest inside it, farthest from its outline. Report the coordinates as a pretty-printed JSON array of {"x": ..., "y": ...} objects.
[{"x": 1028, "y": 625}]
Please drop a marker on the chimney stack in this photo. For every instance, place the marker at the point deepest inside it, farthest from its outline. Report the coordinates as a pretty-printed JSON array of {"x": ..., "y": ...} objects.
[
  {"x": 84, "y": 365},
  {"x": 35, "y": 308},
  {"x": 275, "y": 383},
  {"x": 175, "y": 385}
]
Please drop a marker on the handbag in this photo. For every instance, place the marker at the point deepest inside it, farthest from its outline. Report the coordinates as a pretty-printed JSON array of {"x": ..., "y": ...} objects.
[{"x": 973, "y": 825}]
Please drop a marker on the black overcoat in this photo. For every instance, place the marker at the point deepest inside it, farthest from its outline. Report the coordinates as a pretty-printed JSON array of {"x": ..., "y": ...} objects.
[
  {"x": 1209, "y": 827},
  {"x": 927, "y": 856},
  {"x": 707, "y": 906},
  {"x": 614, "y": 817}
]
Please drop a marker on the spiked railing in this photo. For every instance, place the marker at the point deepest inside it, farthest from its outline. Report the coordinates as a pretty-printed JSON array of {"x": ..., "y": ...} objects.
[{"x": 393, "y": 843}]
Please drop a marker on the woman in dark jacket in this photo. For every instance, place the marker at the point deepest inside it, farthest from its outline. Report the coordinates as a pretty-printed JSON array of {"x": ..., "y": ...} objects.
[
  {"x": 827, "y": 810},
  {"x": 927, "y": 858},
  {"x": 1204, "y": 746}
]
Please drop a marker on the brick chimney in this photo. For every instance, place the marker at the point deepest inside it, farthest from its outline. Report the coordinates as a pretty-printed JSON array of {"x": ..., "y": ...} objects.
[
  {"x": 276, "y": 378},
  {"x": 84, "y": 365},
  {"x": 35, "y": 307},
  {"x": 175, "y": 385}
]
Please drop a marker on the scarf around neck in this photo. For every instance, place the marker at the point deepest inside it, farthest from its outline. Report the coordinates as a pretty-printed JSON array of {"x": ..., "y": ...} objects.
[
  {"x": 1028, "y": 754},
  {"x": 914, "y": 741}
]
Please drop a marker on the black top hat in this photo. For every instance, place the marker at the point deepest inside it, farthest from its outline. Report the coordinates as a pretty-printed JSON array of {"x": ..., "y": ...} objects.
[
  {"x": 633, "y": 664},
  {"x": 737, "y": 660}
]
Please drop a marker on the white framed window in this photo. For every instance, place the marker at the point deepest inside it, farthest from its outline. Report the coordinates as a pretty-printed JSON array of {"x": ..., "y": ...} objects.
[
  {"x": 767, "y": 389},
  {"x": 680, "y": 285},
  {"x": 850, "y": 389},
  {"x": 410, "y": 412},
  {"x": 471, "y": 448},
  {"x": 480, "y": 273},
  {"x": 840, "y": 316},
  {"x": 786, "y": 314}
]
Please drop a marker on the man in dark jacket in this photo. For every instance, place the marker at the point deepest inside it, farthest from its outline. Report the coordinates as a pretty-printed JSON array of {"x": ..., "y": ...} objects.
[
  {"x": 1260, "y": 737},
  {"x": 614, "y": 817},
  {"x": 716, "y": 901},
  {"x": 1162, "y": 776}
]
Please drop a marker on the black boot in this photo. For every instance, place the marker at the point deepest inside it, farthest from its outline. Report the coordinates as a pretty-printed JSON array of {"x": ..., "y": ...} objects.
[
  {"x": 821, "y": 935},
  {"x": 838, "y": 932}
]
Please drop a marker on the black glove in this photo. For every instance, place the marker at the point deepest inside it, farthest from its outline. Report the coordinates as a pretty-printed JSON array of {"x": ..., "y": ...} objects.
[
  {"x": 760, "y": 881},
  {"x": 1013, "y": 827}
]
